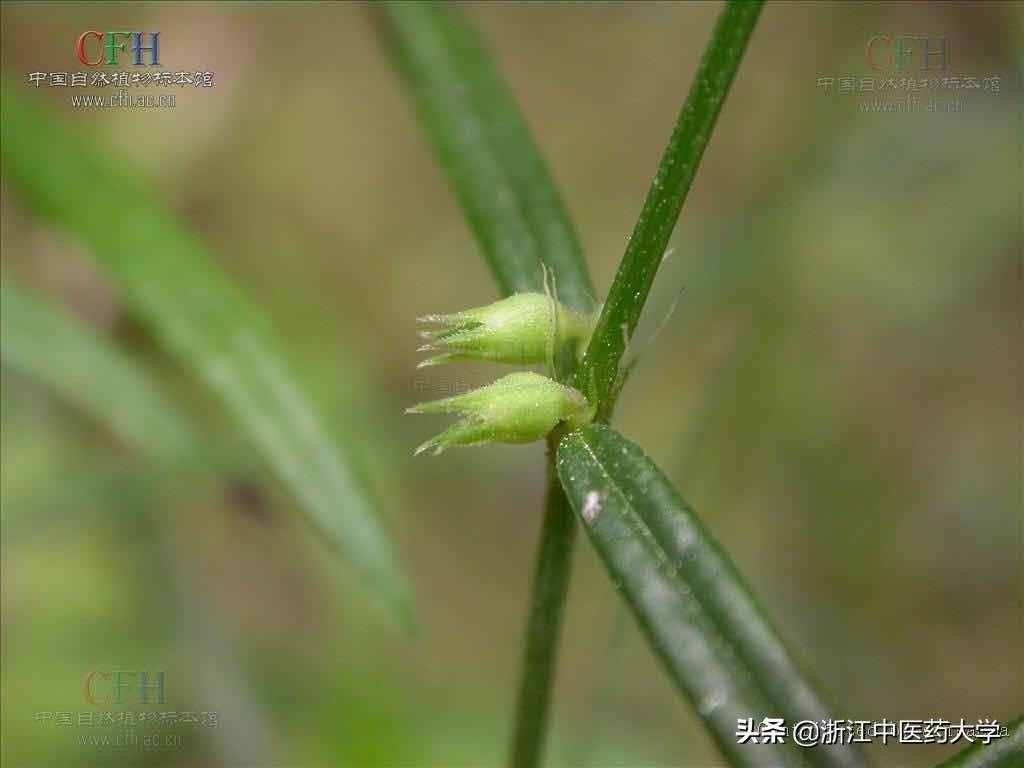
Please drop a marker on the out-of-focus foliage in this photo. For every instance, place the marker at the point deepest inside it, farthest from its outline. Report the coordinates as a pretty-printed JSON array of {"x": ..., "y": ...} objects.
[
  {"x": 41, "y": 341},
  {"x": 1004, "y": 752},
  {"x": 169, "y": 279}
]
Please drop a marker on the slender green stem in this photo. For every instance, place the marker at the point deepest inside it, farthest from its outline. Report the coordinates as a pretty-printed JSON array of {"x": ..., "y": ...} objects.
[
  {"x": 599, "y": 373},
  {"x": 547, "y": 601},
  {"x": 1006, "y": 752},
  {"x": 516, "y": 215}
]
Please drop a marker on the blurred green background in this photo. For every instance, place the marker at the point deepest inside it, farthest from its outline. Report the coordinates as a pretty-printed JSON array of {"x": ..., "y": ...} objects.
[{"x": 837, "y": 393}]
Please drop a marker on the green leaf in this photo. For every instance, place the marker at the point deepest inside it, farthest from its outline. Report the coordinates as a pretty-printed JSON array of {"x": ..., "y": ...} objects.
[
  {"x": 1005, "y": 752},
  {"x": 484, "y": 145},
  {"x": 598, "y": 376},
  {"x": 171, "y": 281},
  {"x": 517, "y": 216},
  {"x": 47, "y": 343},
  {"x": 697, "y": 613}
]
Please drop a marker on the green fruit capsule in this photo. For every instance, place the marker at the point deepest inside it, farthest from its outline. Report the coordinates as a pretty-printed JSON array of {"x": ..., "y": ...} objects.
[
  {"x": 518, "y": 408},
  {"x": 524, "y": 329}
]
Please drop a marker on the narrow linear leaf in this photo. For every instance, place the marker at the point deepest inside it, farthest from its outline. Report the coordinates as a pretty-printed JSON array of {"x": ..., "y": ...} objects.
[
  {"x": 599, "y": 372},
  {"x": 517, "y": 216},
  {"x": 47, "y": 343},
  {"x": 169, "y": 278},
  {"x": 592, "y": 464},
  {"x": 485, "y": 147},
  {"x": 1005, "y": 752},
  {"x": 700, "y": 565}
]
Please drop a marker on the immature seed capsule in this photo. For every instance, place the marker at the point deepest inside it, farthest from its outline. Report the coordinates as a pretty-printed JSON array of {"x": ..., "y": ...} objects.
[
  {"x": 523, "y": 329},
  {"x": 518, "y": 408}
]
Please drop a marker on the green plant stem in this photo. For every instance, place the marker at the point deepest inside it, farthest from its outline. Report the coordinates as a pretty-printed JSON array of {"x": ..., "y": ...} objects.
[
  {"x": 547, "y": 601},
  {"x": 1007, "y": 752},
  {"x": 598, "y": 375}
]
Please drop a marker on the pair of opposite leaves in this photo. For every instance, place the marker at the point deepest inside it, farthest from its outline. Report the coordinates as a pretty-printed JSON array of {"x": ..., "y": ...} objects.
[{"x": 524, "y": 329}]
